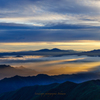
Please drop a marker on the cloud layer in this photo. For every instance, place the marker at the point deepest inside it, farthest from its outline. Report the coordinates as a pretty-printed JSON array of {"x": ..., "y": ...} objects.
[
  {"x": 47, "y": 12},
  {"x": 48, "y": 35},
  {"x": 49, "y": 20}
]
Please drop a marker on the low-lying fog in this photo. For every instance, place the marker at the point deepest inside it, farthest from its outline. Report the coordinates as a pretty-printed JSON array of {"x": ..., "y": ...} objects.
[{"x": 33, "y": 65}]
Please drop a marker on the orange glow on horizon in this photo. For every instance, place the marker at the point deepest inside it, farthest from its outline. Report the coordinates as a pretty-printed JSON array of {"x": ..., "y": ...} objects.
[{"x": 83, "y": 45}]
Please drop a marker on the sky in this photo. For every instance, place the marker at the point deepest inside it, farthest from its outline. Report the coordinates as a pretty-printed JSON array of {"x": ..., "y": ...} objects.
[{"x": 38, "y": 24}]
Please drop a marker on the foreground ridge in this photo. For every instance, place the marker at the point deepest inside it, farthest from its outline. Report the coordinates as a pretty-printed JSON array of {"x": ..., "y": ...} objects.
[{"x": 89, "y": 90}]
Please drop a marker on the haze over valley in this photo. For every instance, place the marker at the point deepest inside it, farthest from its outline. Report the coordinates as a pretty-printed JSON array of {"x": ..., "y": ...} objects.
[{"x": 50, "y": 62}]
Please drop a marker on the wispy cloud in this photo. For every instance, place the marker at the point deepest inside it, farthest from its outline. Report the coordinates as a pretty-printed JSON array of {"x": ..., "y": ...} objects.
[{"x": 43, "y": 12}]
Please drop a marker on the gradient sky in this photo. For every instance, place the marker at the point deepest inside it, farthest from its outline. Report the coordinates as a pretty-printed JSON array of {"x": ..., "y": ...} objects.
[{"x": 38, "y": 24}]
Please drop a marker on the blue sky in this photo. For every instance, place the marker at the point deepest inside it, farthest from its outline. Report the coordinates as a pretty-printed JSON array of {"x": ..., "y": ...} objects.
[{"x": 49, "y": 21}]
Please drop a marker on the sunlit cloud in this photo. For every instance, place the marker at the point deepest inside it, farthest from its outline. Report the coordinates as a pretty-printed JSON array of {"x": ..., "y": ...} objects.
[
  {"x": 73, "y": 68},
  {"x": 54, "y": 65}
]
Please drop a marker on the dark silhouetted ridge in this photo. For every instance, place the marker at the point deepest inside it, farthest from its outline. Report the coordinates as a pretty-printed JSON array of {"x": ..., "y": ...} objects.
[
  {"x": 4, "y": 66},
  {"x": 16, "y": 82},
  {"x": 89, "y": 90},
  {"x": 43, "y": 50},
  {"x": 56, "y": 49}
]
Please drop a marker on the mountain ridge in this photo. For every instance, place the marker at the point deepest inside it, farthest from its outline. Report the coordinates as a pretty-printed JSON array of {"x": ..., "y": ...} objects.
[
  {"x": 88, "y": 90},
  {"x": 52, "y": 52},
  {"x": 16, "y": 82}
]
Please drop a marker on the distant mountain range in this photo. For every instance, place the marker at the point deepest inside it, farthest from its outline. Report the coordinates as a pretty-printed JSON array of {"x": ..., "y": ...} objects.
[
  {"x": 51, "y": 52},
  {"x": 54, "y": 51},
  {"x": 89, "y": 90}
]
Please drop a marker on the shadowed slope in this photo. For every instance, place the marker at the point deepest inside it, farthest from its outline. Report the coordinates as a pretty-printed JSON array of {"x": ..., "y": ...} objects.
[{"x": 89, "y": 90}]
